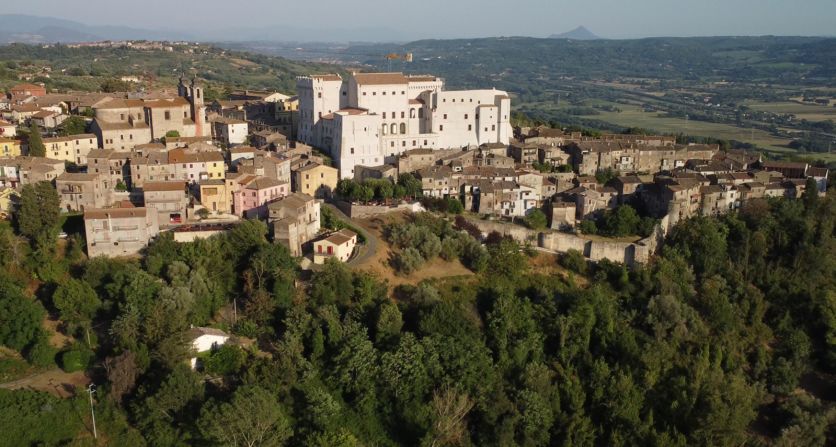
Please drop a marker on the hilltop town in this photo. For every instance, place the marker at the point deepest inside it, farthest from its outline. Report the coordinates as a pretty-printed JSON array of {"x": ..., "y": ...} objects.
[
  {"x": 140, "y": 164},
  {"x": 377, "y": 258}
]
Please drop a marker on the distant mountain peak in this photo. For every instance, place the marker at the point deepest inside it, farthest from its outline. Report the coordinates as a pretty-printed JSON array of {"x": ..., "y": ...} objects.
[{"x": 579, "y": 33}]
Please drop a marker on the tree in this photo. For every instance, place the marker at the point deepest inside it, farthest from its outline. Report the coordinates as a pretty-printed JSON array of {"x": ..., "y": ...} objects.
[
  {"x": 20, "y": 318},
  {"x": 73, "y": 125},
  {"x": 412, "y": 186},
  {"x": 36, "y": 143},
  {"x": 454, "y": 205},
  {"x": 811, "y": 194},
  {"x": 114, "y": 85},
  {"x": 536, "y": 220},
  {"x": 573, "y": 260},
  {"x": 77, "y": 302},
  {"x": 251, "y": 418},
  {"x": 172, "y": 134},
  {"x": 39, "y": 213},
  {"x": 408, "y": 260},
  {"x": 588, "y": 227},
  {"x": 122, "y": 373}
]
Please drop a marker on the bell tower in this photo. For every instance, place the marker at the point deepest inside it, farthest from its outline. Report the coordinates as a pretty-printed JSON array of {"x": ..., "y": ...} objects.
[{"x": 198, "y": 109}]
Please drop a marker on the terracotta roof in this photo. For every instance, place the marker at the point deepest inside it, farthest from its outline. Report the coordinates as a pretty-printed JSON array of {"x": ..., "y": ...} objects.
[
  {"x": 341, "y": 237},
  {"x": 164, "y": 103},
  {"x": 120, "y": 104},
  {"x": 813, "y": 171},
  {"x": 114, "y": 213},
  {"x": 69, "y": 138},
  {"x": 352, "y": 111},
  {"x": 196, "y": 332},
  {"x": 77, "y": 177},
  {"x": 380, "y": 78},
  {"x": 163, "y": 186},
  {"x": 783, "y": 165},
  {"x": 45, "y": 114},
  {"x": 263, "y": 183},
  {"x": 295, "y": 200}
]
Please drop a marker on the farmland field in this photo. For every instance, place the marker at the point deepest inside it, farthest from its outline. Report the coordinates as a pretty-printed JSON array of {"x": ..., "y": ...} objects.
[{"x": 808, "y": 112}]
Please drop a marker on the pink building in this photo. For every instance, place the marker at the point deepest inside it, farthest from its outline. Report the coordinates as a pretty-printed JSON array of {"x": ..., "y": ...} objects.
[{"x": 252, "y": 198}]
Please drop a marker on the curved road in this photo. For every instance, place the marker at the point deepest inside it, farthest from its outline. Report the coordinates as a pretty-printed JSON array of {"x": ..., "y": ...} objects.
[{"x": 366, "y": 251}]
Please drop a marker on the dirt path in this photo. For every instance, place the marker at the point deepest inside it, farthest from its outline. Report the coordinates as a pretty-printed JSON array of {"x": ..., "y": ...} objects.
[{"x": 54, "y": 381}]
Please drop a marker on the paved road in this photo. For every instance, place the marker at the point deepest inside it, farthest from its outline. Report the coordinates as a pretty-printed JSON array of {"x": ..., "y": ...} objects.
[{"x": 372, "y": 241}]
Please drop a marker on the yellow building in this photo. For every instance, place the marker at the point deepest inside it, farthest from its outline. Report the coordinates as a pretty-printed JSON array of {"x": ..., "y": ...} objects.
[
  {"x": 316, "y": 180},
  {"x": 215, "y": 197},
  {"x": 9, "y": 147}
]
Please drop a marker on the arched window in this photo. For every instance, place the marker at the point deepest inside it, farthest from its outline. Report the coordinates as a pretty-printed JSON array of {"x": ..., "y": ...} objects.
[
  {"x": 393, "y": 129},
  {"x": 403, "y": 128},
  {"x": 383, "y": 131},
  {"x": 412, "y": 113},
  {"x": 420, "y": 113}
]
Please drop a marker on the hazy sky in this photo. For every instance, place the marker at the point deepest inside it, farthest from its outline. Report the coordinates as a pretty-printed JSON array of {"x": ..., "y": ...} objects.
[{"x": 414, "y": 19}]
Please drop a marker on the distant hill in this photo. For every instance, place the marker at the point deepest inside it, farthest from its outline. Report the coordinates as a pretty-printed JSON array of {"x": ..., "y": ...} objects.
[
  {"x": 579, "y": 33},
  {"x": 34, "y": 30}
]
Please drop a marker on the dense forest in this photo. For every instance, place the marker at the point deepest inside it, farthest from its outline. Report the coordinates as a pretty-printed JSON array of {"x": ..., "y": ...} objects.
[{"x": 714, "y": 343}]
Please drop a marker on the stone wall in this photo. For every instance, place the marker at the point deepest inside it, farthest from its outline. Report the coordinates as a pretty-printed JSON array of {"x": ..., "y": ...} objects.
[
  {"x": 356, "y": 211},
  {"x": 628, "y": 253}
]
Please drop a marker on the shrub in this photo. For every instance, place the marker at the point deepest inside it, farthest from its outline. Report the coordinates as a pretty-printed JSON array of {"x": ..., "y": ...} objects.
[
  {"x": 408, "y": 261},
  {"x": 75, "y": 360},
  {"x": 225, "y": 360},
  {"x": 536, "y": 220},
  {"x": 41, "y": 354},
  {"x": 573, "y": 260},
  {"x": 588, "y": 227}
]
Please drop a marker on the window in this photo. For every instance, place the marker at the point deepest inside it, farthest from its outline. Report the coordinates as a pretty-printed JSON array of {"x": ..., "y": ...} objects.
[
  {"x": 384, "y": 115},
  {"x": 441, "y": 127},
  {"x": 403, "y": 143},
  {"x": 393, "y": 129},
  {"x": 425, "y": 142},
  {"x": 403, "y": 92},
  {"x": 403, "y": 128},
  {"x": 493, "y": 126},
  {"x": 403, "y": 114},
  {"x": 319, "y": 94},
  {"x": 391, "y": 144},
  {"x": 469, "y": 127},
  {"x": 374, "y": 93},
  {"x": 122, "y": 116},
  {"x": 364, "y": 93},
  {"x": 384, "y": 93},
  {"x": 167, "y": 115},
  {"x": 445, "y": 116},
  {"x": 394, "y": 93},
  {"x": 352, "y": 151},
  {"x": 477, "y": 116},
  {"x": 465, "y": 116}
]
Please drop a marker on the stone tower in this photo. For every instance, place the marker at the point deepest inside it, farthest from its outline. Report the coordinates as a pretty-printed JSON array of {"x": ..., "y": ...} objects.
[{"x": 193, "y": 93}]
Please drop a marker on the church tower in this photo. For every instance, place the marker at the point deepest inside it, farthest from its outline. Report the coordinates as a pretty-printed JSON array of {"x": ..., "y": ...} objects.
[{"x": 193, "y": 93}]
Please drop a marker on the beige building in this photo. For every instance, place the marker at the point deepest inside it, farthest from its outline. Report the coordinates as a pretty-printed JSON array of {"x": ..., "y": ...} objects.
[
  {"x": 316, "y": 180},
  {"x": 294, "y": 220},
  {"x": 177, "y": 164},
  {"x": 73, "y": 149},
  {"x": 110, "y": 163},
  {"x": 215, "y": 197},
  {"x": 124, "y": 123},
  {"x": 116, "y": 232},
  {"x": 168, "y": 199},
  {"x": 590, "y": 157},
  {"x": 339, "y": 245},
  {"x": 80, "y": 191}
]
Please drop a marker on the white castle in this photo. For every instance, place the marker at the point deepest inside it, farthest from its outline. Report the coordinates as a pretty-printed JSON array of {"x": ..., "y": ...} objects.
[{"x": 374, "y": 117}]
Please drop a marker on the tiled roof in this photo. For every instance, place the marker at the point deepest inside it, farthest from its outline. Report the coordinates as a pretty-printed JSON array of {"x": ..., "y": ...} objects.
[
  {"x": 114, "y": 213},
  {"x": 163, "y": 186},
  {"x": 380, "y": 78}
]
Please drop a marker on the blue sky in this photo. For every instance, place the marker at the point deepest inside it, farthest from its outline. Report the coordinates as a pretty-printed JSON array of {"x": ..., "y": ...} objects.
[{"x": 404, "y": 20}]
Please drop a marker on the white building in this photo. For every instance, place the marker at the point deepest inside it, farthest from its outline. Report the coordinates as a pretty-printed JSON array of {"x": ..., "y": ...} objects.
[
  {"x": 374, "y": 117},
  {"x": 205, "y": 339}
]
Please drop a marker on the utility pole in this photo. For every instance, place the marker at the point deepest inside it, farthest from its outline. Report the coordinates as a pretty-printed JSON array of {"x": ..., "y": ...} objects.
[{"x": 90, "y": 390}]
